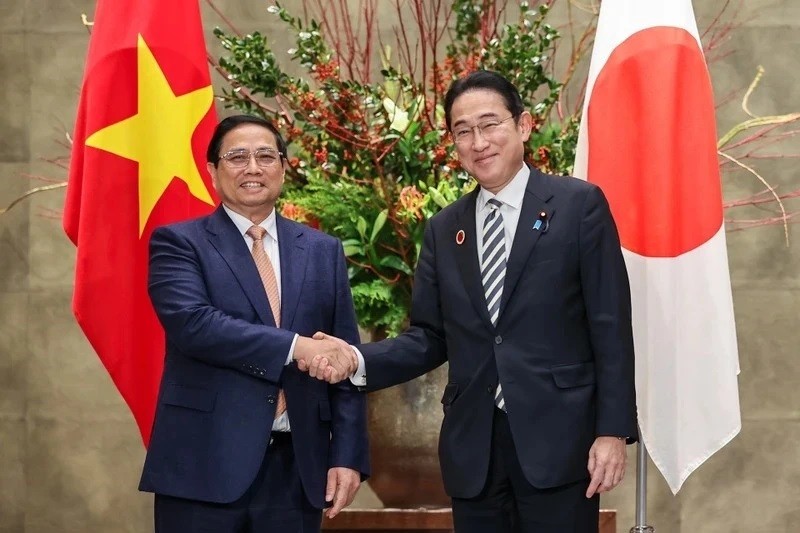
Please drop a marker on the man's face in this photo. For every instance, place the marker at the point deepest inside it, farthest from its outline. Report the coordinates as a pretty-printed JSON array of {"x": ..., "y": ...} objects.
[
  {"x": 253, "y": 189},
  {"x": 494, "y": 155}
]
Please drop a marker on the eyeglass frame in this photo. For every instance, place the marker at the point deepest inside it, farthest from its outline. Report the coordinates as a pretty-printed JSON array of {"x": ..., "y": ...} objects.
[
  {"x": 480, "y": 126},
  {"x": 250, "y": 155}
]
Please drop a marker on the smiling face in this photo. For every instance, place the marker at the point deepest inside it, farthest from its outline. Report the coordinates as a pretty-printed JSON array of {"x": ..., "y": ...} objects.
[
  {"x": 253, "y": 190},
  {"x": 492, "y": 158}
]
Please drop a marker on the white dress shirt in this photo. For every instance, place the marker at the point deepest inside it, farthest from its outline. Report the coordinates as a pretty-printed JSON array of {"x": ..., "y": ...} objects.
[{"x": 273, "y": 252}]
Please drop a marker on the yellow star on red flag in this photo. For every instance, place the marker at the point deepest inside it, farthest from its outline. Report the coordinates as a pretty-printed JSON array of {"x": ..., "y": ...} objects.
[{"x": 159, "y": 135}]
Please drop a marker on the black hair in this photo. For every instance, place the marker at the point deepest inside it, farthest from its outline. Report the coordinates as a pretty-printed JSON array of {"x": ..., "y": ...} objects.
[
  {"x": 226, "y": 125},
  {"x": 488, "y": 80}
]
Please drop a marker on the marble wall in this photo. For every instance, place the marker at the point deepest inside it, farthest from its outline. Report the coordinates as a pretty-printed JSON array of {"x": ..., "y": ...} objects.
[{"x": 70, "y": 454}]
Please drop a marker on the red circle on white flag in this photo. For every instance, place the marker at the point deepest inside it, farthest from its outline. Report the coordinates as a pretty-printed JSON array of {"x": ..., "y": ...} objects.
[{"x": 652, "y": 143}]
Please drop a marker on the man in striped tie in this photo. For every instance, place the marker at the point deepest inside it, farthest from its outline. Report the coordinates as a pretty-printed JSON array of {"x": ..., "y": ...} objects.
[{"x": 521, "y": 287}]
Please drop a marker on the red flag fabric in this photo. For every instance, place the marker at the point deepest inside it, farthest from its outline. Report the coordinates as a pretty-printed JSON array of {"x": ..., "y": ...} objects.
[
  {"x": 648, "y": 138},
  {"x": 138, "y": 161}
]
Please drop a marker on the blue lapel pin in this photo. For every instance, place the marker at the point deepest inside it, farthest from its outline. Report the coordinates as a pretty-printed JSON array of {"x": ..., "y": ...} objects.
[{"x": 542, "y": 220}]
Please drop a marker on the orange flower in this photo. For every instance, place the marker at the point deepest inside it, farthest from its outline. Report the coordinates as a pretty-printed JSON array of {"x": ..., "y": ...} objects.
[
  {"x": 326, "y": 71},
  {"x": 321, "y": 155},
  {"x": 299, "y": 214},
  {"x": 411, "y": 202},
  {"x": 439, "y": 154}
]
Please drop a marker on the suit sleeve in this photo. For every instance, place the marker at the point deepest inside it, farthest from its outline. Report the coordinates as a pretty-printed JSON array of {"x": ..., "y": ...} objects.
[
  {"x": 421, "y": 347},
  {"x": 606, "y": 292},
  {"x": 349, "y": 442},
  {"x": 197, "y": 329}
]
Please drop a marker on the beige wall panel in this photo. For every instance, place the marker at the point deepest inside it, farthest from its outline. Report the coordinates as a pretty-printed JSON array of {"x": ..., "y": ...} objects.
[{"x": 70, "y": 453}]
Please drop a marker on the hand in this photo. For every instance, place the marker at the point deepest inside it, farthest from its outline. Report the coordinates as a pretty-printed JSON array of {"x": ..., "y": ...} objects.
[
  {"x": 342, "y": 486},
  {"x": 325, "y": 357},
  {"x": 319, "y": 364},
  {"x": 606, "y": 464}
]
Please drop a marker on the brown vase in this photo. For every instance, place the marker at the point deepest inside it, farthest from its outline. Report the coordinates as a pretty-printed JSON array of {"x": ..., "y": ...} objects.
[{"x": 404, "y": 424}]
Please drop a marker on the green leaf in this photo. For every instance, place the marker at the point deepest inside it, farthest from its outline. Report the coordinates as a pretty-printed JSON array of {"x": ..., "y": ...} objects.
[
  {"x": 392, "y": 261},
  {"x": 380, "y": 220},
  {"x": 350, "y": 251},
  {"x": 437, "y": 197},
  {"x": 361, "y": 226}
]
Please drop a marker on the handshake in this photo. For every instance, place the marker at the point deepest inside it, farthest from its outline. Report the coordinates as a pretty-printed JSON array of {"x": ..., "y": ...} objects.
[{"x": 324, "y": 357}]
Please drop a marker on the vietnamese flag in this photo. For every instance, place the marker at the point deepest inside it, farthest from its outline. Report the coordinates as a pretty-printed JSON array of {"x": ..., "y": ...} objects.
[
  {"x": 138, "y": 161},
  {"x": 648, "y": 138}
]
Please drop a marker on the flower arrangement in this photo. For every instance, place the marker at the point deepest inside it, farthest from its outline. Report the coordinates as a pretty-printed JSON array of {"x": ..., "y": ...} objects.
[{"x": 370, "y": 160}]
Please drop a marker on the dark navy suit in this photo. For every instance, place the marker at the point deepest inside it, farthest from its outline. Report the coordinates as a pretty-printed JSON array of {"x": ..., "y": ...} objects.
[
  {"x": 562, "y": 347},
  {"x": 225, "y": 361}
]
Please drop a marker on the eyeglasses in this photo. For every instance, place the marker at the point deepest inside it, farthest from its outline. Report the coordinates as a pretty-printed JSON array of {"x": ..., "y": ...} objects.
[
  {"x": 487, "y": 128},
  {"x": 265, "y": 158}
]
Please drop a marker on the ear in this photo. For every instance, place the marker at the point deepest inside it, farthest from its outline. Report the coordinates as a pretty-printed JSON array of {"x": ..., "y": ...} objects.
[
  {"x": 284, "y": 166},
  {"x": 525, "y": 125},
  {"x": 212, "y": 169}
]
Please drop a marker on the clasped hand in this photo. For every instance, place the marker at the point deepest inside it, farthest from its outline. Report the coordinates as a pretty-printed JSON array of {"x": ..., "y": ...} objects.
[{"x": 325, "y": 358}]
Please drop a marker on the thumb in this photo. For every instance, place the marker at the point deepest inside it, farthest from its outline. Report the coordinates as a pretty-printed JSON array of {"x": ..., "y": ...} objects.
[{"x": 318, "y": 336}]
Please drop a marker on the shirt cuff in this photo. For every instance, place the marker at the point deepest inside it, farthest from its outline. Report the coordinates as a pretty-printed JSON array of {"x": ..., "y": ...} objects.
[
  {"x": 291, "y": 351},
  {"x": 359, "y": 377}
]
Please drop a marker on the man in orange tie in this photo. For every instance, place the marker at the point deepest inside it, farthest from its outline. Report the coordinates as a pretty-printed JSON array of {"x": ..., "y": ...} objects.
[{"x": 242, "y": 440}]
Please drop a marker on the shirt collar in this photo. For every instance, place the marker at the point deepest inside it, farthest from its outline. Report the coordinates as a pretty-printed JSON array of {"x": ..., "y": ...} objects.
[
  {"x": 243, "y": 223},
  {"x": 511, "y": 194}
]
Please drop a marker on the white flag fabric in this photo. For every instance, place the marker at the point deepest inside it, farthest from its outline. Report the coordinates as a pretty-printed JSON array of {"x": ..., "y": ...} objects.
[{"x": 648, "y": 139}]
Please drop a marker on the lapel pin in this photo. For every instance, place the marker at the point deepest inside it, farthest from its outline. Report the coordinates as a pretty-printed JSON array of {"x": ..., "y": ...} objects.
[
  {"x": 460, "y": 237},
  {"x": 542, "y": 221}
]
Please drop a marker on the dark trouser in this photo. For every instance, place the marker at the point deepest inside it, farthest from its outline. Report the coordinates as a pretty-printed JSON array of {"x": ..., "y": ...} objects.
[
  {"x": 274, "y": 503},
  {"x": 509, "y": 504}
]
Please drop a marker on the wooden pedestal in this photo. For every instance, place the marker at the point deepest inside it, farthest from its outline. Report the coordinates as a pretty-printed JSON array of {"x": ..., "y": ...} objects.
[{"x": 416, "y": 520}]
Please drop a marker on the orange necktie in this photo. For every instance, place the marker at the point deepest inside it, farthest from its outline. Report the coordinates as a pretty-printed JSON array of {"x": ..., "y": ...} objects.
[{"x": 267, "y": 273}]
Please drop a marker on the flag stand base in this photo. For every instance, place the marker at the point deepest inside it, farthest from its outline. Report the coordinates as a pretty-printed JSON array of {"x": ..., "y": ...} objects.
[{"x": 642, "y": 529}]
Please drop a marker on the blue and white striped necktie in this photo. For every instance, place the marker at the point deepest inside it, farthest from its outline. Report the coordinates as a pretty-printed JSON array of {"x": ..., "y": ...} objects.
[{"x": 493, "y": 269}]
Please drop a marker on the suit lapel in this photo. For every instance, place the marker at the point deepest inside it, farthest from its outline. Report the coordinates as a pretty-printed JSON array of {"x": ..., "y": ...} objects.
[
  {"x": 291, "y": 241},
  {"x": 226, "y": 239},
  {"x": 534, "y": 203},
  {"x": 466, "y": 255}
]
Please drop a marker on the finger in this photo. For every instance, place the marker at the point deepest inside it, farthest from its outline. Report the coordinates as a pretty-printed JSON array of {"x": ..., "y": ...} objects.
[
  {"x": 608, "y": 480},
  {"x": 330, "y": 487},
  {"x": 341, "y": 364},
  {"x": 597, "y": 478},
  {"x": 349, "y": 358},
  {"x": 339, "y": 500},
  {"x": 302, "y": 365},
  {"x": 351, "y": 494},
  {"x": 318, "y": 366},
  {"x": 318, "y": 336},
  {"x": 332, "y": 375}
]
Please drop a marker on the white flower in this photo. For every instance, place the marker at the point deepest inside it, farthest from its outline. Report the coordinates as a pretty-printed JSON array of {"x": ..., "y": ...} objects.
[
  {"x": 274, "y": 10},
  {"x": 398, "y": 116}
]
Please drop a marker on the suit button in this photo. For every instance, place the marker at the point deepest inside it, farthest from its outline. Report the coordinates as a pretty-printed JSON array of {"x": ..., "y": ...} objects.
[
  {"x": 498, "y": 340},
  {"x": 489, "y": 389},
  {"x": 270, "y": 399}
]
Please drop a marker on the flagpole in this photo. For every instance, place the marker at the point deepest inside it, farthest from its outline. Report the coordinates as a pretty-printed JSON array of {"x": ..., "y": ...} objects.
[{"x": 641, "y": 490}]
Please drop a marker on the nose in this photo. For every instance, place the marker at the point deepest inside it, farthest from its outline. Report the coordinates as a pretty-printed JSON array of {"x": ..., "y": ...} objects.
[
  {"x": 479, "y": 142},
  {"x": 252, "y": 166}
]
